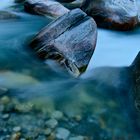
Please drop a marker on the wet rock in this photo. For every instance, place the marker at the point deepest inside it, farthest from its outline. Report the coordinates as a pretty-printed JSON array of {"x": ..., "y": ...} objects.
[
  {"x": 47, "y": 131},
  {"x": 5, "y": 15},
  {"x": 52, "y": 123},
  {"x": 3, "y": 91},
  {"x": 112, "y": 14},
  {"x": 45, "y": 8},
  {"x": 136, "y": 76},
  {"x": 17, "y": 129},
  {"x": 70, "y": 40},
  {"x": 74, "y": 4},
  {"x": 13, "y": 79},
  {"x": 19, "y": 1},
  {"x": 77, "y": 138},
  {"x": 62, "y": 133},
  {"x": 5, "y": 116},
  {"x": 67, "y": 1},
  {"x": 57, "y": 115}
]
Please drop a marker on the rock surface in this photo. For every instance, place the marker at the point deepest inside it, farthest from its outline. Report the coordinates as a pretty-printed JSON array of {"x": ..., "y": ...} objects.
[
  {"x": 113, "y": 14},
  {"x": 71, "y": 40},
  {"x": 136, "y": 72},
  {"x": 45, "y": 8}
]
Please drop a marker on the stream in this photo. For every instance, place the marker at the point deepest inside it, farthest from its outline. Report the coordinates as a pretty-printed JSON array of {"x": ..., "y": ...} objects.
[{"x": 101, "y": 100}]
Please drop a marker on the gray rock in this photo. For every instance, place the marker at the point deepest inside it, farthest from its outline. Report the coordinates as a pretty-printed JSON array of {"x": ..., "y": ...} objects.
[
  {"x": 62, "y": 133},
  {"x": 17, "y": 129},
  {"x": 57, "y": 115},
  {"x": 113, "y": 14},
  {"x": 3, "y": 91},
  {"x": 77, "y": 138},
  {"x": 45, "y": 8},
  {"x": 52, "y": 123},
  {"x": 136, "y": 75},
  {"x": 5, "y": 116},
  {"x": 70, "y": 40}
]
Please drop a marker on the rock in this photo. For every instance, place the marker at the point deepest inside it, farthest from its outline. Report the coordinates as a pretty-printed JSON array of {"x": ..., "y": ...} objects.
[
  {"x": 19, "y": 1},
  {"x": 66, "y": 1},
  {"x": 45, "y": 8},
  {"x": 70, "y": 40},
  {"x": 47, "y": 131},
  {"x": 112, "y": 14},
  {"x": 3, "y": 91},
  {"x": 17, "y": 129},
  {"x": 77, "y": 138},
  {"x": 5, "y": 15},
  {"x": 57, "y": 115},
  {"x": 11, "y": 79},
  {"x": 62, "y": 133},
  {"x": 5, "y": 116},
  {"x": 74, "y": 4},
  {"x": 52, "y": 123},
  {"x": 136, "y": 76}
]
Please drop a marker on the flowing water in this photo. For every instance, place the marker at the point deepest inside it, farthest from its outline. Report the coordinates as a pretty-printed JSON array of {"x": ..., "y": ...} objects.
[{"x": 104, "y": 92}]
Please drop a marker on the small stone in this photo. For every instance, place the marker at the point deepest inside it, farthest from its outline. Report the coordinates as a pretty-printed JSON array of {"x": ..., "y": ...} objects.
[
  {"x": 22, "y": 139},
  {"x": 52, "y": 123},
  {"x": 57, "y": 115},
  {"x": 62, "y": 133},
  {"x": 51, "y": 137},
  {"x": 5, "y": 116},
  {"x": 77, "y": 138},
  {"x": 47, "y": 131},
  {"x": 5, "y": 100},
  {"x": 78, "y": 117},
  {"x": 17, "y": 129},
  {"x": 3, "y": 91},
  {"x": 15, "y": 136}
]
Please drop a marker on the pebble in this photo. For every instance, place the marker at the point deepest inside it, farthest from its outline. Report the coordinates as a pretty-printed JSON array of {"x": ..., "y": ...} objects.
[
  {"x": 17, "y": 129},
  {"x": 5, "y": 100},
  {"x": 62, "y": 133},
  {"x": 16, "y": 136},
  {"x": 3, "y": 90},
  {"x": 52, "y": 123},
  {"x": 77, "y": 138},
  {"x": 5, "y": 116},
  {"x": 57, "y": 115},
  {"x": 47, "y": 131}
]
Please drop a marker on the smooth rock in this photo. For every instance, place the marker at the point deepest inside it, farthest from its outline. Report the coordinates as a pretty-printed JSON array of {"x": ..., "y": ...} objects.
[
  {"x": 62, "y": 133},
  {"x": 45, "y": 8},
  {"x": 57, "y": 115},
  {"x": 136, "y": 76},
  {"x": 52, "y": 123},
  {"x": 66, "y": 1},
  {"x": 17, "y": 129},
  {"x": 113, "y": 14},
  {"x": 77, "y": 138},
  {"x": 70, "y": 40},
  {"x": 5, "y": 116},
  {"x": 3, "y": 91}
]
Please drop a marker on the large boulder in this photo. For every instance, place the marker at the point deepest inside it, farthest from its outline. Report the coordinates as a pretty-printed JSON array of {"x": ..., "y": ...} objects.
[
  {"x": 45, "y": 8},
  {"x": 113, "y": 14},
  {"x": 70, "y": 39}
]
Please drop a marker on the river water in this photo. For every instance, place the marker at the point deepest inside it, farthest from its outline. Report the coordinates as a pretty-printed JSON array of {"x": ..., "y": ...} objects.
[{"x": 104, "y": 91}]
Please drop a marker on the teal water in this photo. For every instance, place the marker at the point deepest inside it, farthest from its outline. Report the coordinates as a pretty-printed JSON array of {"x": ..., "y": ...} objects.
[{"x": 102, "y": 92}]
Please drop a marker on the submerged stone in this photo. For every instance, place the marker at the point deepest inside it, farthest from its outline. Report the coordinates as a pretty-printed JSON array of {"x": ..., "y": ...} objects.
[
  {"x": 45, "y": 8},
  {"x": 113, "y": 14},
  {"x": 70, "y": 40}
]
